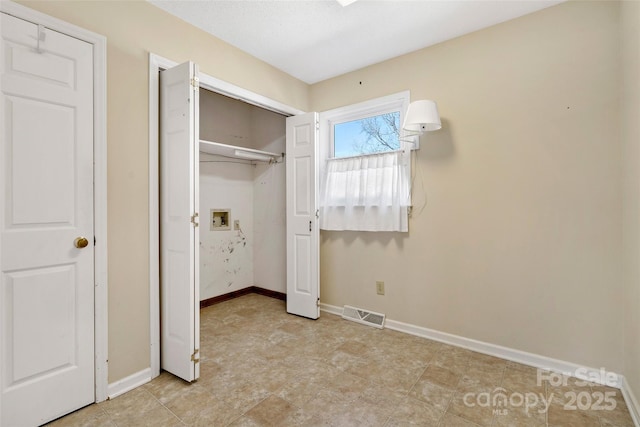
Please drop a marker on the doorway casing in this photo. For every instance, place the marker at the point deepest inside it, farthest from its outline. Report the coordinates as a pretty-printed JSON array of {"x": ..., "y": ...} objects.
[{"x": 157, "y": 64}]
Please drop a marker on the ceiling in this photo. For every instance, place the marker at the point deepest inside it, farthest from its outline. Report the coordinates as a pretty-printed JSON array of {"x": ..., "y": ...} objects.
[{"x": 314, "y": 40}]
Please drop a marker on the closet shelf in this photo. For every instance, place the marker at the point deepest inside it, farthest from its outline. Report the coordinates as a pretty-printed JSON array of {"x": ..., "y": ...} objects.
[{"x": 236, "y": 152}]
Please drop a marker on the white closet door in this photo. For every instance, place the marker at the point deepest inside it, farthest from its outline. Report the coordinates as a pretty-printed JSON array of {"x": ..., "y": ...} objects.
[
  {"x": 179, "y": 281},
  {"x": 303, "y": 282},
  {"x": 46, "y": 207}
]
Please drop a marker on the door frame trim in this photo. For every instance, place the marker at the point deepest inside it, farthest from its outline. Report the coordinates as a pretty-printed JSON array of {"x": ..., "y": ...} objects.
[
  {"x": 99, "y": 42},
  {"x": 156, "y": 64}
]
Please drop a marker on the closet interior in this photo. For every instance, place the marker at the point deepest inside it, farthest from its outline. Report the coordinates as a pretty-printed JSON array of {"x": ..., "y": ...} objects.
[{"x": 242, "y": 197}]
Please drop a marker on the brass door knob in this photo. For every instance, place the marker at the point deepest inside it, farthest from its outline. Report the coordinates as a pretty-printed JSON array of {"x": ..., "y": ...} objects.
[{"x": 81, "y": 242}]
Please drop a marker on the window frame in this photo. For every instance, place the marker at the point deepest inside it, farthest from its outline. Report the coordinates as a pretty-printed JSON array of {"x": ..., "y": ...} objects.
[
  {"x": 376, "y": 106},
  {"x": 373, "y": 107}
]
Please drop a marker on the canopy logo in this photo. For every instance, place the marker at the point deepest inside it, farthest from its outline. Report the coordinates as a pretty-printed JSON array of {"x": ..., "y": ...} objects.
[
  {"x": 573, "y": 399},
  {"x": 500, "y": 401}
]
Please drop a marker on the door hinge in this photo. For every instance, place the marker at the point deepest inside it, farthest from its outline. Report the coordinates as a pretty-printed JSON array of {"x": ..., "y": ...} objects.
[
  {"x": 317, "y": 213},
  {"x": 195, "y": 359},
  {"x": 318, "y": 302},
  {"x": 317, "y": 125},
  {"x": 194, "y": 219},
  {"x": 195, "y": 82}
]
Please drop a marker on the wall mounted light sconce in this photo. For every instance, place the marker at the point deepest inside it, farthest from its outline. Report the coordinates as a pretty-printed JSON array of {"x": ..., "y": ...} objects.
[{"x": 422, "y": 116}]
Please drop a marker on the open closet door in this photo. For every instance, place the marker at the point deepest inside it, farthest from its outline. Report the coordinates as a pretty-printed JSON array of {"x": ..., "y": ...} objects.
[
  {"x": 303, "y": 259},
  {"x": 179, "y": 287}
]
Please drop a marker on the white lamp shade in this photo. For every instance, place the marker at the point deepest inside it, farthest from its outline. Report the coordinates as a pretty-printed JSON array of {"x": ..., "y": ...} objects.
[{"x": 422, "y": 116}]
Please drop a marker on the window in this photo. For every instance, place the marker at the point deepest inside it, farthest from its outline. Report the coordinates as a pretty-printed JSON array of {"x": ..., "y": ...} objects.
[
  {"x": 364, "y": 169},
  {"x": 368, "y": 135},
  {"x": 366, "y": 128}
]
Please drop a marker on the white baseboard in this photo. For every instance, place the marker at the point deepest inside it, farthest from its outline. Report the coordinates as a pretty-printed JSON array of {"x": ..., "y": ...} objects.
[
  {"x": 530, "y": 359},
  {"x": 331, "y": 309},
  {"x": 124, "y": 385},
  {"x": 631, "y": 401}
]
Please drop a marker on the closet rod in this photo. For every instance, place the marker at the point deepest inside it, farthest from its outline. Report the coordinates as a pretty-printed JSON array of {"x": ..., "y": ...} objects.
[{"x": 236, "y": 152}]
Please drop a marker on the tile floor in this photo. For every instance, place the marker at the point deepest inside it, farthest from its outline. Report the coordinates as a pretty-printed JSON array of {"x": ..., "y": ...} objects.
[{"x": 263, "y": 367}]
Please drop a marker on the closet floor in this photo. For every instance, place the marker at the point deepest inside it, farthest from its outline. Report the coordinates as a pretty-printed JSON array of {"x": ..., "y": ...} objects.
[{"x": 263, "y": 367}]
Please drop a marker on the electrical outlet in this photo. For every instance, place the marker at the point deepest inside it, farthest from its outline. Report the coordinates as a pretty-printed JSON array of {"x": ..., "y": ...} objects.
[
  {"x": 236, "y": 224},
  {"x": 380, "y": 288}
]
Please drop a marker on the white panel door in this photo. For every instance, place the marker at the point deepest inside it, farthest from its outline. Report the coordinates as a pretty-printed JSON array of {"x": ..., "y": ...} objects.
[
  {"x": 46, "y": 186},
  {"x": 303, "y": 282},
  {"x": 179, "y": 248}
]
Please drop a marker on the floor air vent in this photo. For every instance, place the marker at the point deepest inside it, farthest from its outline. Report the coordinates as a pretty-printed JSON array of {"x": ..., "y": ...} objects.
[{"x": 363, "y": 316}]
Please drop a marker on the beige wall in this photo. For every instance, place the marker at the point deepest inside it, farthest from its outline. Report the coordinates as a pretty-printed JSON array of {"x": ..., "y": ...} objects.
[
  {"x": 520, "y": 241},
  {"x": 133, "y": 29},
  {"x": 630, "y": 102}
]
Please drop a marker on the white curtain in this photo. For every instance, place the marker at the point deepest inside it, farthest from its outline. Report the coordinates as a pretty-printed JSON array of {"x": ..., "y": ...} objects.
[{"x": 366, "y": 193}]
